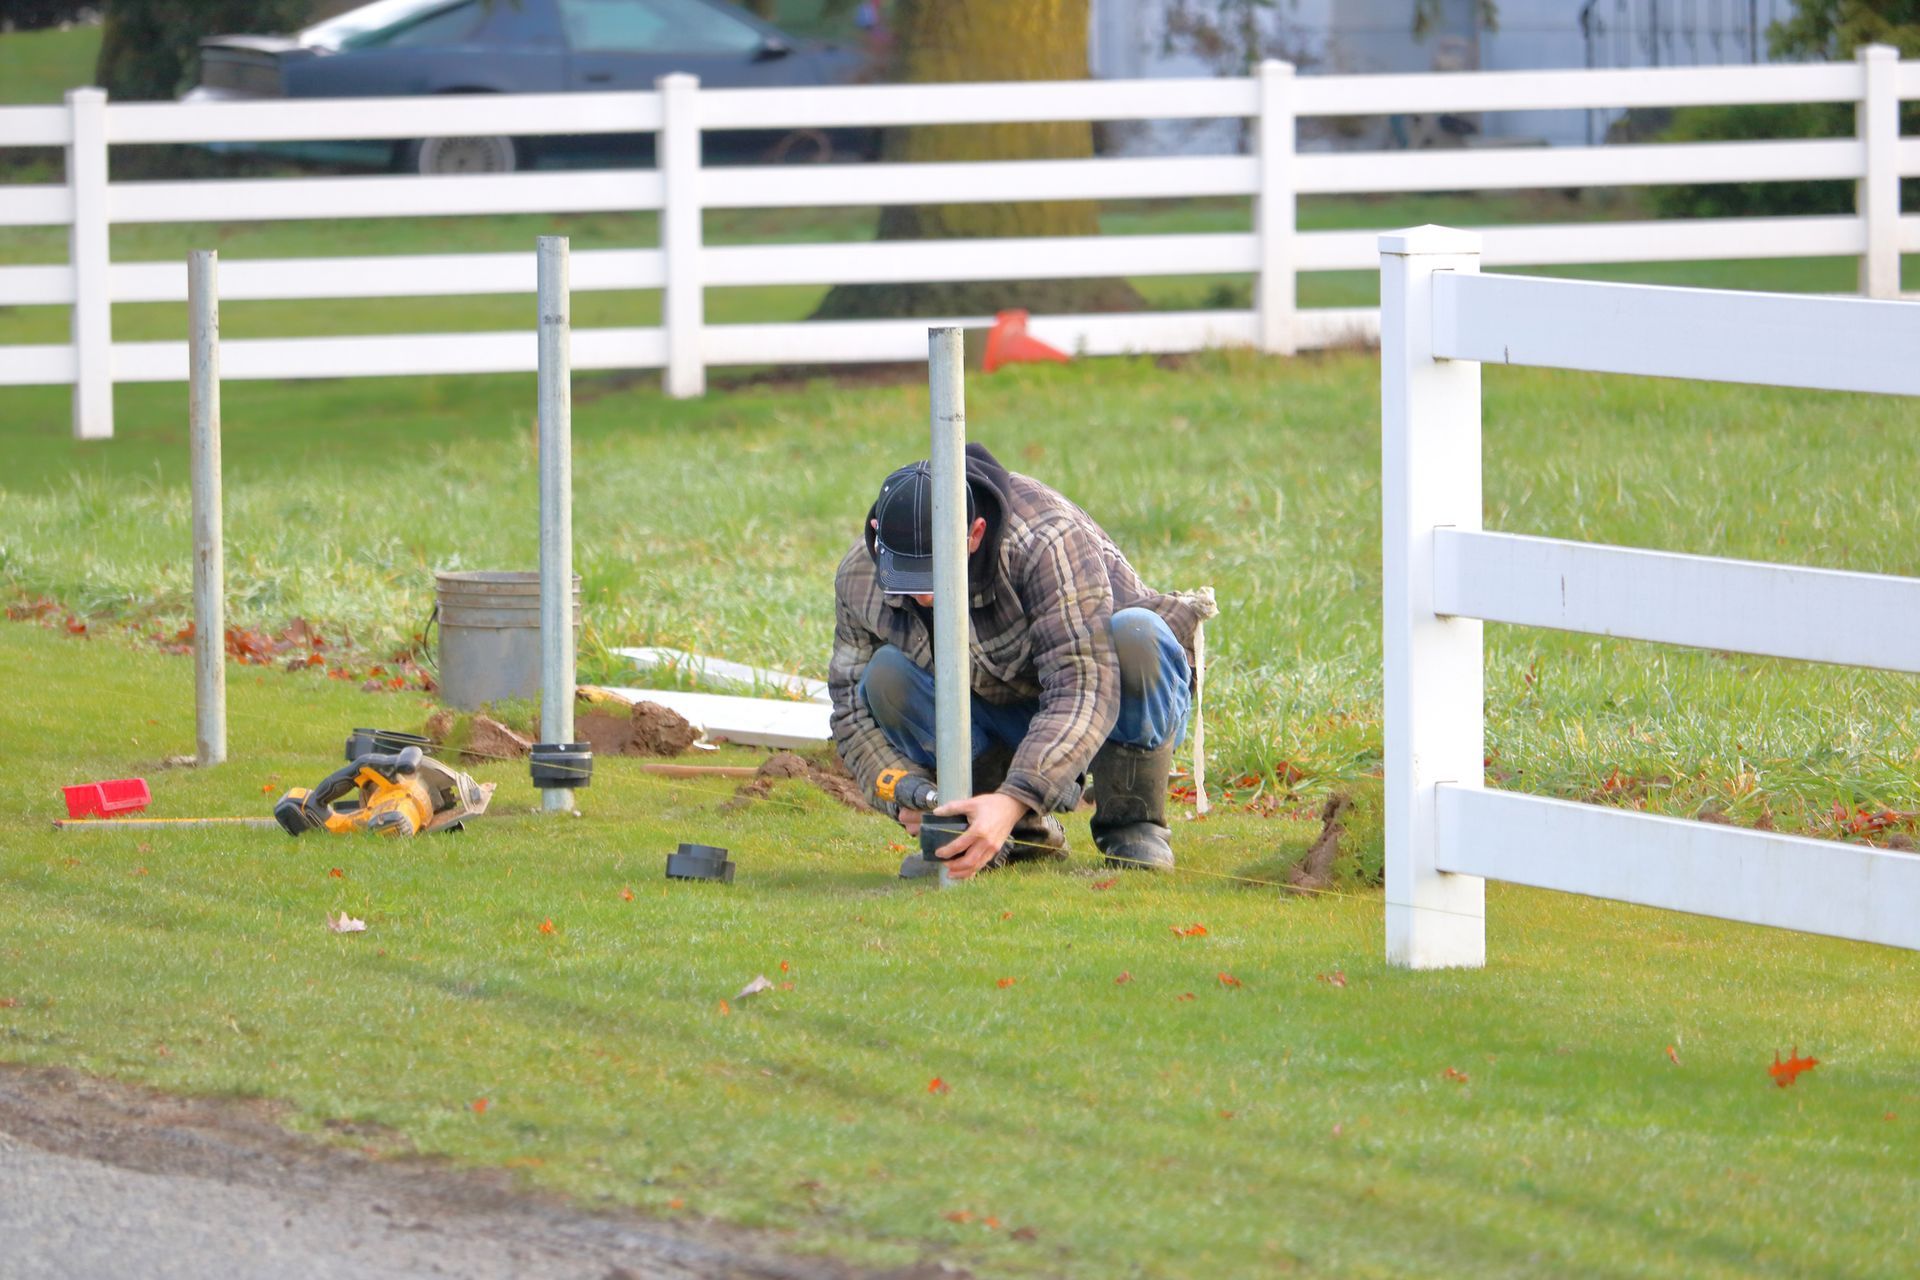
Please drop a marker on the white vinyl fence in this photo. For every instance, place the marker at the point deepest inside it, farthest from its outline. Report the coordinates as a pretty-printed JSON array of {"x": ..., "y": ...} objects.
[
  {"x": 684, "y": 345},
  {"x": 1444, "y": 576}
]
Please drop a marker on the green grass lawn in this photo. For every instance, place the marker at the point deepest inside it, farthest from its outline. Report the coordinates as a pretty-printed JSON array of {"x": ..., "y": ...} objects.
[{"x": 1168, "y": 1125}]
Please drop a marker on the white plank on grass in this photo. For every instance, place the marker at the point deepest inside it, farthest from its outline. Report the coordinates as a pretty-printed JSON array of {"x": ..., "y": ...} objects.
[
  {"x": 1329, "y": 173},
  {"x": 1788, "y": 882},
  {"x": 756, "y": 722},
  {"x": 1015, "y": 101},
  {"x": 389, "y": 276},
  {"x": 400, "y": 196},
  {"x": 48, "y": 366},
  {"x": 1552, "y": 244},
  {"x": 435, "y": 116},
  {"x": 1741, "y": 606},
  {"x": 829, "y": 185},
  {"x": 392, "y": 355},
  {"x": 724, "y": 671},
  {"x": 1717, "y": 335},
  {"x": 1562, "y": 89},
  {"x": 1035, "y": 258},
  {"x": 35, "y": 206}
]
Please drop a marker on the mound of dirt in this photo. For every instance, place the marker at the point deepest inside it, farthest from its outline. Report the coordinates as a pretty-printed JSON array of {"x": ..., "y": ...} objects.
[
  {"x": 649, "y": 730},
  {"x": 784, "y": 766},
  {"x": 488, "y": 739},
  {"x": 1314, "y": 872}
]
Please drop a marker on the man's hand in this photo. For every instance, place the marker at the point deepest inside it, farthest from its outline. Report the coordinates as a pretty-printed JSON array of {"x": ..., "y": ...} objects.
[
  {"x": 910, "y": 819},
  {"x": 990, "y": 820}
]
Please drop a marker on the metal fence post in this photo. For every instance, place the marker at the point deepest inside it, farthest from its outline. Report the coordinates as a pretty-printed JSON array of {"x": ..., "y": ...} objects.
[
  {"x": 952, "y": 663},
  {"x": 683, "y": 304},
  {"x": 1435, "y": 701},
  {"x": 555, "y": 393},
  {"x": 209, "y": 559},
  {"x": 1274, "y": 210},
  {"x": 1877, "y": 195},
  {"x": 90, "y": 256}
]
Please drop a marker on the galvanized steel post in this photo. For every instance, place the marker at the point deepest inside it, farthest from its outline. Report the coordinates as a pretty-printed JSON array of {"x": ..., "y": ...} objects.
[
  {"x": 209, "y": 566},
  {"x": 952, "y": 667},
  {"x": 556, "y": 507}
]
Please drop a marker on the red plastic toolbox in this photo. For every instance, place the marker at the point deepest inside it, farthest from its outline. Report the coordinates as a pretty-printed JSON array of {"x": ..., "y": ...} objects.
[{"x": 104, "y": 799}]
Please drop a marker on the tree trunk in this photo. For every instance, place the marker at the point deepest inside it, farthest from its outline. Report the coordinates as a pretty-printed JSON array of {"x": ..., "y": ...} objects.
[{"x": 943, "y": 41}]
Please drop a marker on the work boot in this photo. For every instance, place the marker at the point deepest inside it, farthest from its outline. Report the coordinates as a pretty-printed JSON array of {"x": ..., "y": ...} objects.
[
  {"x": 1037, "y": 836},
  {"x": 1130, "y": 806}
]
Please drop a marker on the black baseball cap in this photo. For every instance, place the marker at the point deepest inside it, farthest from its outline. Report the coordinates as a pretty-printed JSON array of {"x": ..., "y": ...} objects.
[{"x": 902, "y": 545}]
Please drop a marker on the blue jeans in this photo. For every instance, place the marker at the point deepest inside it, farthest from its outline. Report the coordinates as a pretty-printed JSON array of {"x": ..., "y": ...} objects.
[{"x": 1155, "y": 695}]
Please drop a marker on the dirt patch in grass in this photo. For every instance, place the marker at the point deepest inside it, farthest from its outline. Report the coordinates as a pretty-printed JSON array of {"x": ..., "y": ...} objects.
[
  {"x": 784, "y": 766},
  {"x": 649, "y": 730},
  {"x": 373, "y": 1180}
]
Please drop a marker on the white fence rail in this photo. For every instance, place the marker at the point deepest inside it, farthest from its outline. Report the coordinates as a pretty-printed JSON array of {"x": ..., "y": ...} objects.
[
  {"x": 1445, "y": 577},
  {"x": 1276, "y": 173}
]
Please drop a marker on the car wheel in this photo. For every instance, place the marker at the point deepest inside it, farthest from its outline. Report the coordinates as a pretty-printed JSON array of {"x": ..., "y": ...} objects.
[
  {"x": 802, "y": 146},
  {"x": 442, "y": 156}
]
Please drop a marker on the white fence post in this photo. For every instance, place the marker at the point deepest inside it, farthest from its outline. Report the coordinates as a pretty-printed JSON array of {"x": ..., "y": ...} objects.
[
  {"x": 1435, "y": 703},
  {"x": 1274, "y": 209},
  {"x": 1877, "y": 195},
  {"x": 683, "y": 304},
  {"x": 89, "y": 254},
  {"x": 209, "y": 540}
]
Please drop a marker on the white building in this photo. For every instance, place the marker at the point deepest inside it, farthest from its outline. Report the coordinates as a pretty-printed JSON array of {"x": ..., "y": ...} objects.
[{"x": 1137, "y": 38}]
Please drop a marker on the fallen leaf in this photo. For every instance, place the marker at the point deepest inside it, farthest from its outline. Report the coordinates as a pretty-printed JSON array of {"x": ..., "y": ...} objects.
[
  {"x": 1185, "y": 995},
  {"x": 337, "y": 873},
  {"x": 754, "y": 988},
  {"x": 626, "y": 894},
  {"x": 961, "y": 1216},
  {"x": 13, "y": 1002},
  {"x": 1106, "y": 884},
  {"x": 546, "y": 926},
  {"x": 1673, "y": 1055},
  {"x": 783, "y": 966},
  {"x": 266, "y": 788},
  {"x": 1337, "y": 978},
  {"x": 345, "y": 924},
  {"x": 1454, "y": 1074},
  {"x": 1125, "y": 977},
  {"x": 1228, "y": 980},
  {"x": 1228, "y": 1115},
  {"x": 725, "y": 1008},
  {"x": 676, "y": 1203},
  {"x": 1004, "y": 983},
  {"x": 1024, "y": 1234},
  {"x": 478, "y": 1106},
  {"x": 1191, "y": 931},
  {"x": 1006, "y": 915},
  {"x": 139, "y": 871},
  {"x": 990, "y": 1222},
  {"x": 1785, "y": 1073},
  {"x": 937, "y": 1085},
  {"x": 786, "y": 986}
]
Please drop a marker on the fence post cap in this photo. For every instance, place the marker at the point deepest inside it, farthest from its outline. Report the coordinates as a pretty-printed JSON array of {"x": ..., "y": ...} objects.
[
  {"x": 680, "y": 80},
  {"x": 1275, "y": 67},
  {"x": 1877, "y": 53},
  {"x": 1429, "y": 239},
  {"x": 87, "y": 93}
]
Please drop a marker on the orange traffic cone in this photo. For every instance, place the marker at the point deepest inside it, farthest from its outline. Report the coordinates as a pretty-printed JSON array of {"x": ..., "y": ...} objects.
[{"x": 1009, "y": 343}]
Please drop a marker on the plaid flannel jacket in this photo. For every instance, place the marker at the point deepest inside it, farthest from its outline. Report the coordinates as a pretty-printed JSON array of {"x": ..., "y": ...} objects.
[{"x": 1044, "y": 587}]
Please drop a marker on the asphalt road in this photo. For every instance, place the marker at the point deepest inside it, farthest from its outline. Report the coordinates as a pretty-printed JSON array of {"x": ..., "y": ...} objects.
[{"x": 103, "y": 1181}]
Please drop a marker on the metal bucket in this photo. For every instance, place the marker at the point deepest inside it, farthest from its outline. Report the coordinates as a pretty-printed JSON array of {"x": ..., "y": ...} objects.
[{"x": 490, "y": 635}]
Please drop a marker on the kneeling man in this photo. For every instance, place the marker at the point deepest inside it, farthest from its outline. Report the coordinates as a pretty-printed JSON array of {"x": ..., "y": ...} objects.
[{"x": 1077, "y": 667}]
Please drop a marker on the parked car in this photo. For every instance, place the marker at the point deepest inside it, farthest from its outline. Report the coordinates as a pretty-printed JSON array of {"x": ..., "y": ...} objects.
[{"x": 406, "y": 47}]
